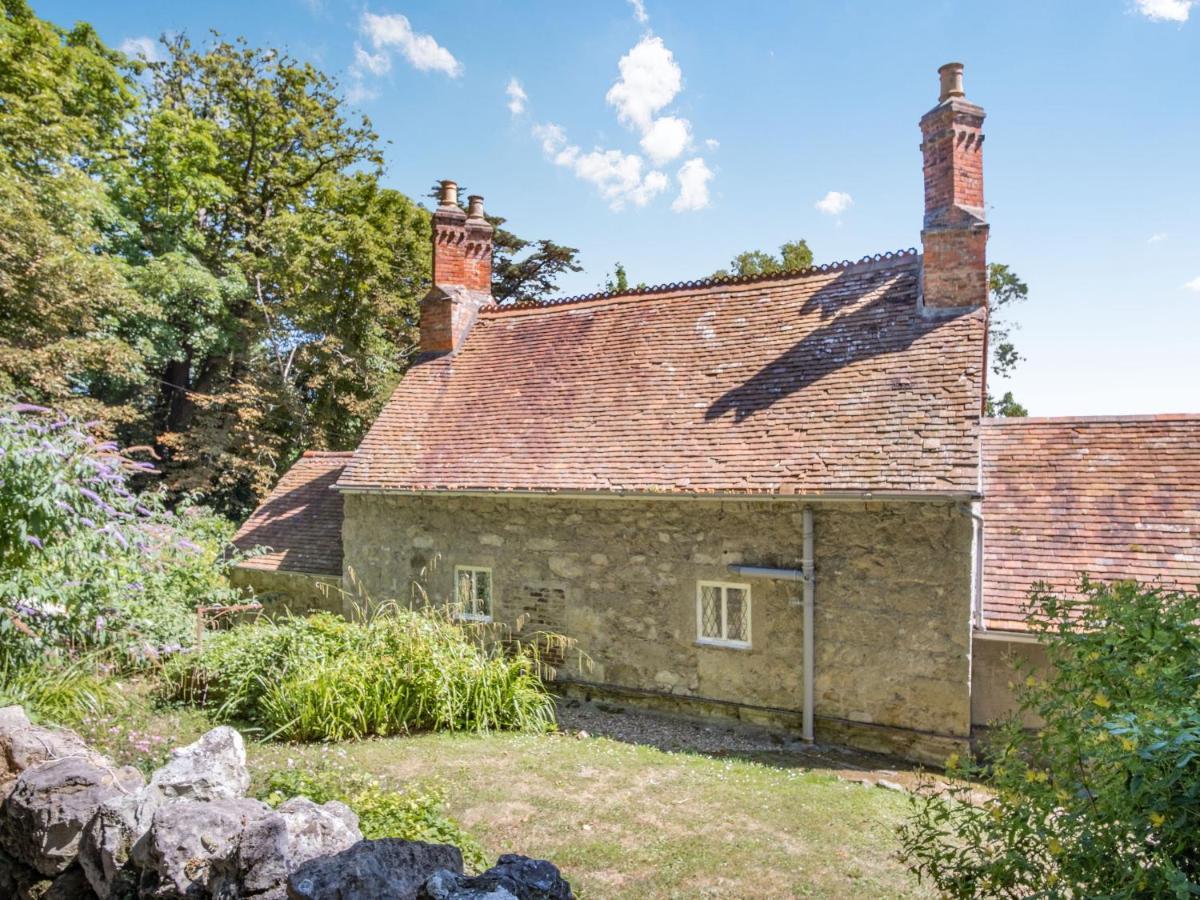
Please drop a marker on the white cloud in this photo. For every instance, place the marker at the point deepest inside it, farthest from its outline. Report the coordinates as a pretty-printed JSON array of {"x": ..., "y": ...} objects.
[
  {"x": 1166, "y": 10},
  {"x": 142, "y": 48},
  {"x": 1157, "y": 238},
  {"x": 666, "y": 138},
  {"x": 358, "y": 92},
  {"x": 617, "y": 176},
  {"x": 712, "y": 144},
  {"x": 639, "y": 11},
  {"x": 1194, "y": 285},
  {"x": 650, "y": 79},
  {"x": 834, "y": 203},
  {"x": 374, "y": 63},
  {"x": 517, "y": 97},
  {"x": 694, "y": 177},
  {"x": 422, "y": 51}
]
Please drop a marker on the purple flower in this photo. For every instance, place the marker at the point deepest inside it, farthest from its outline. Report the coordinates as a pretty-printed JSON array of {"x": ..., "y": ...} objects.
[
  {"x": 88, "y": 522},
  {"x": 29, "y": 408},
  {"x": 35, "y": 540},
  {"x": 185, "y": 543},
  {"x": 91, "y": 495}
]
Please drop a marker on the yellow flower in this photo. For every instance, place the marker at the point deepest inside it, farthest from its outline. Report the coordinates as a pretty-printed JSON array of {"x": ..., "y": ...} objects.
[
  {"x": 1156, "y": 819},
  {"x": 952, "y": 761},
  {"x": 1054, "y": 847},
  {"x": 1128, "y": 743},
  {"x": 1030, "y": 681},
  {"x": 1101, "y": 701}
]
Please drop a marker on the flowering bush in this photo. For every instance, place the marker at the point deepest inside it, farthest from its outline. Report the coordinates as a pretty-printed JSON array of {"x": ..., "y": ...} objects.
[
  {"x": 1104, "y": 798},
  {"x": 86, "y": 563}
]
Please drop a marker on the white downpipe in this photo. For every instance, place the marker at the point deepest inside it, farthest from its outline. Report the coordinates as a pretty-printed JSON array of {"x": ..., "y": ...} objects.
[{"x": 809, "y": 581}]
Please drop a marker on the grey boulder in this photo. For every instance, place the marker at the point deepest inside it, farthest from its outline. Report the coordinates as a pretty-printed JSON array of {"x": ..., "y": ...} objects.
[
  {"x": 24, "y": 745},
  {"x": 514, "y": 877},
  {"x": 277, "y": 844},
  {"x": 389, "y": 867},
  {"x": 188, "y": 842},
  {"x": 212, "y": 768},
  {"x": 44, "y": 816}
]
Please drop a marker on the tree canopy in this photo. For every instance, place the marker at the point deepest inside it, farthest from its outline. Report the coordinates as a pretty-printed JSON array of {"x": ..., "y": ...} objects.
[{"x": 201, "y": 253}]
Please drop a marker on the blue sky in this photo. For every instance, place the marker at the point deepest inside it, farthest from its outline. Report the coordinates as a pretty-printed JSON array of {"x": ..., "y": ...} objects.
[{"x": 672, "y": 135}]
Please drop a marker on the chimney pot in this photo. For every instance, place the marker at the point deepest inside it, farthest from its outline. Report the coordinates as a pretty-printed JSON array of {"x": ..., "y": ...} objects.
[
  {"x": 475, "y": 207},
  {"x": 952, "y": 81},
  {"x": 449, "y": 195}
]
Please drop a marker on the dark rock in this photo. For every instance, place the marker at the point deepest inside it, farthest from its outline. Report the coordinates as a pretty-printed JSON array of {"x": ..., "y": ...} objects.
[
  {"x": 277, "y": 844},
  {"x": 70, "y": 885},
  {"x": 513, "y": 877},
  {"x": 19, "y": 880},
  {"x": 389, "y": 867},
  {"x": 188, "y": 841},
  {"x": 44, "y": 816}
]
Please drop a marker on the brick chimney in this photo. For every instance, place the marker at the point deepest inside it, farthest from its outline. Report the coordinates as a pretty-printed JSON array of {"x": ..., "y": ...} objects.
[
  {"x": 955, "y": 231},
  {"x": 462, "y": 272}
]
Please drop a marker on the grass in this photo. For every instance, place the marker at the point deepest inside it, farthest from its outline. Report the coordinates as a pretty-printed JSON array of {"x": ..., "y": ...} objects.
[{"x": 620, "y": 820}]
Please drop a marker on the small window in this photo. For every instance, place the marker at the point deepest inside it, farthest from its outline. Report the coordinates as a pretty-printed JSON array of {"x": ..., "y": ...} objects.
[
  {"x": 723, "y": 614},
  {"x": 474, "y": 593}
]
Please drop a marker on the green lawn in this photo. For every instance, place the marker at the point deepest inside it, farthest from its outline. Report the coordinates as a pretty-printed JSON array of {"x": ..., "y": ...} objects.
[{"x": 620, "y": 820}]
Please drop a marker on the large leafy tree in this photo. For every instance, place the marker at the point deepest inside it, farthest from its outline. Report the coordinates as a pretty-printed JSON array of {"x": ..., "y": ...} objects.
[
  {"x": 285, "y": 275},
  {"x": 70, "y": 325}
]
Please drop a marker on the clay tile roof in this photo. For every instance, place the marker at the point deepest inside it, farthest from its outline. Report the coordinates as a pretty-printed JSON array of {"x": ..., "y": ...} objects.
[
  {"x": 820, "y": 381},
  {"x": 300, "y": 522},
  {"x": 1115, "y": 497}
]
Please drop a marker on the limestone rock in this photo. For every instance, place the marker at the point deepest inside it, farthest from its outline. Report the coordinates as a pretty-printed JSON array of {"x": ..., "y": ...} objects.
[
  {"x": 44, "y": 816},
  {"x": 70, "y": 885},
  {"x": 24, "y": 745},
  {"x": 514, "y": 877},
  {"x": 212, "y": 768},
  {"x": 389, "y": 867},
  {"x": 189, "y": 841},
  {"x": 277, "y": 844}
]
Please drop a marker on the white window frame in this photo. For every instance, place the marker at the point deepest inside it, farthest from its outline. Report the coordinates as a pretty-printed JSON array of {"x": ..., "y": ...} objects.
[
  {"x": 722, "y": 641},
  {"x": 461, "y": 608}
]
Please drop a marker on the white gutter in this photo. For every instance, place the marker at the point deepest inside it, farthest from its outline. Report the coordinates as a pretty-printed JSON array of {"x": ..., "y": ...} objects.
[
  {"x": 976, "y": 566},
  {"x": 806, "y": 575}
]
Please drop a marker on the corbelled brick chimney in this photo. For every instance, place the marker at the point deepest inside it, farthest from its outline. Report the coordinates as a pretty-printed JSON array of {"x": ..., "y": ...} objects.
[
  {"x": 955, "y": 231},
  {"x": 462, "y": 272}
]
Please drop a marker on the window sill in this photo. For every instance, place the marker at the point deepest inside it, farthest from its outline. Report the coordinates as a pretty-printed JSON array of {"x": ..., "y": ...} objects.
[{"x": 722, "y": 645}]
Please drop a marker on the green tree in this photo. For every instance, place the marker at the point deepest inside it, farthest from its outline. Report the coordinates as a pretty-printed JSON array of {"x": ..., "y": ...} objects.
[
  {"x": 1006, "y": 290},
  {"x": 1101, "y": 800},
  {"x": 286, "y": 276},
  {"x": 793, "y": 255},
  {"x": 618, "y": 281},
  {"x": 69, "y": 330}
]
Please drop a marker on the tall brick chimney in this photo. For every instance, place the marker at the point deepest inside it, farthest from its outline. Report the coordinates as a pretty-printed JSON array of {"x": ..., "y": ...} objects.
[
  {"x": 955, "y": 231},
  {"x": 462, "y": 272}
]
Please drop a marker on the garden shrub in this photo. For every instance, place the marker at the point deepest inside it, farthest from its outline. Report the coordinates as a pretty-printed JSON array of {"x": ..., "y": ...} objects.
[
  {"x": 87, "y": 563},
  {"x": 325, "y": 678},
  {"x": 414, "y": 815},
  {"x": 1103, "y": 800}
]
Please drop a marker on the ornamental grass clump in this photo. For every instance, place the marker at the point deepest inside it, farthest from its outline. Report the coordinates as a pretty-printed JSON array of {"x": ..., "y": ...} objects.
[{"x": 325, "y": 678}]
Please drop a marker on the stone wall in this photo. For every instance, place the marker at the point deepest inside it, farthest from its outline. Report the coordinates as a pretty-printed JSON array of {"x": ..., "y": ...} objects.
[
  {"x": 620, "y": 576},
  {"x": 995, "y": 670},
  {"x": 294, "y": 592}
]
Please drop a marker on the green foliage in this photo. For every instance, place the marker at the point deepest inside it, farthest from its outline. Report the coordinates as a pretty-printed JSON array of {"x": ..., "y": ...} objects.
[
  {"x": 87, "y": 564},
  {"x": 382, "y": 812},
  {"x": 1006, "y": 289},
  {"x": 61, "y": 693},
  {"x": 324, "y": 678},
  {"x": 1104, "y": 798},
  {"x": 793, "y": 255},
  {"x": 618, "y": 282}
]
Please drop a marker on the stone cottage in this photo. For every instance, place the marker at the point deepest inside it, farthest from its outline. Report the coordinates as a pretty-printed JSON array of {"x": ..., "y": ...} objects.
[{"x": 772, "y": 498}]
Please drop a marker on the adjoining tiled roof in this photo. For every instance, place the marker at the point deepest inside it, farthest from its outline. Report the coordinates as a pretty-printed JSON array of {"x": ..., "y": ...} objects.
[
  {"x": 300, "y": 522},
  {"x": 814, "y": 382},
  {"x": 1115, "y": 497}
]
